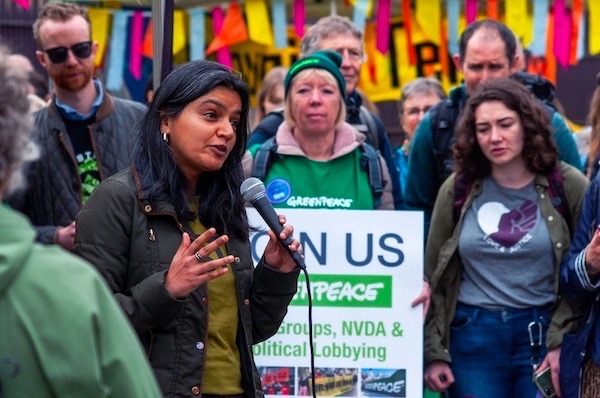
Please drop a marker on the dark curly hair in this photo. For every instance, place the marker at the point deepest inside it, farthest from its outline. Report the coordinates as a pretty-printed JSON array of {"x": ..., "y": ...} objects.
[{"x": 539, "y": 152}]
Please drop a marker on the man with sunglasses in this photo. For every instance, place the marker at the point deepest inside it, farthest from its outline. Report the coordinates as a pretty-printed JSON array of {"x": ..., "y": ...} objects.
[{"x": 85, "y": 135}]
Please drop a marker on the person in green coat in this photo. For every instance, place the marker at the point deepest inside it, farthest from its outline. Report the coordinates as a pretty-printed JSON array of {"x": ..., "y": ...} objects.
[{"x": 61, "y": 332}]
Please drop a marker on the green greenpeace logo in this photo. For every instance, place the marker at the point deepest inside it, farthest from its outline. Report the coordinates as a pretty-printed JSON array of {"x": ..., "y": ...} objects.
[
  {"x": 307, "y": 61},
  {"x": 346, "y": 291}
]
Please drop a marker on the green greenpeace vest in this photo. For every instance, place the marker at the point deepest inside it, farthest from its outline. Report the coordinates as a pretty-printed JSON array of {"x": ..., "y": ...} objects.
[{"x": 298, "y": 182}]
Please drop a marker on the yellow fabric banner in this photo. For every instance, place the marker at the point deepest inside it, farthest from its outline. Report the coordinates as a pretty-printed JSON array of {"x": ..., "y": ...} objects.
[
  {"x": 100, "y": 18},
  {"x": 259, "y": 23}
]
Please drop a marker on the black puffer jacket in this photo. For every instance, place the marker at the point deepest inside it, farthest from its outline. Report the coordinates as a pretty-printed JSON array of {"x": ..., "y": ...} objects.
[
  {"x": 52, "y": 197},
  {"x": 132, "y": 240}
]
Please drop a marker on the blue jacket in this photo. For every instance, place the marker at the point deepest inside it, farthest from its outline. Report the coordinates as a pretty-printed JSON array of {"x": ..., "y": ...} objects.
[{"x": 575, "y": 282}]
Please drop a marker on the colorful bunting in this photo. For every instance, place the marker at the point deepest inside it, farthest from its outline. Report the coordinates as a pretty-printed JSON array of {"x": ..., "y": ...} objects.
[
  {"x": 492, "y": 9},
  {"x": 540, "y": 20},
  {"x": 562, "y": 33},
  {"x": 147, "y": 45},
  {"x": 471, "y": 10},
  {"x": 279, "y": 14},
  {"x": 371, "y": 56},
  {"x": 259, "y": 24},
  {"x": 232, "y": 29},
  {"x": 594, "y": 27},
  {"x": 426, "y": 12},
  {"x": 550, "y": 59},
  {"x": 410, "y": 49},
  {"x": 384, "y": 9},
  {"x": 223, "y": 55},
  {"x": 453, "y": 13},
  {"x": 557, "y": 37},
  {"x": 580, "y": 53},
  {"x": 135, "y": 45},
  {"x": 179, "y": 33},
  {"x": 197, "y": 33},
  {"x": 23, "y": 3},
  {"x": 516, "y": 16},
  {"x": 100, "y": 18},
  {"x": 299, "y": 17},
  {"x": 114, "y": 74},
  {"x": 577, "y": 18},
  {"x": 361, "y": 9}
]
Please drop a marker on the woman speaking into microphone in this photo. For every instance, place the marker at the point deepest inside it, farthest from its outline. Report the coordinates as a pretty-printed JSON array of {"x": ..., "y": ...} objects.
[{"x": 170, "y": 236}]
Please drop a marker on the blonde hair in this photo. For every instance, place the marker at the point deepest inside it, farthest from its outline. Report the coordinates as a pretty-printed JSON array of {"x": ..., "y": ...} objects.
[{"x": 328, "y": 77}]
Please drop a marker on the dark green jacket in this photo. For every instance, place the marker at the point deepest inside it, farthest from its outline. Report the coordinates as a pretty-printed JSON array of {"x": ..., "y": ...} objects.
[
  {"x": 132, "y": 240},
  {"x": 443, "y": 266}
]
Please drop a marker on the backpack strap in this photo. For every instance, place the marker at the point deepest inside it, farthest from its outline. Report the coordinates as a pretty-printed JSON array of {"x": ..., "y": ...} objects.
[
  {"x": 370, "y": 161},
  {"x": 462, "y": 189},
  {"x": 265, "y": 156},
  {"x": 556, "y": 193},
  {"x": 558, "y": 198},
  {"x": 443, "y": 120},
  {"x": 368, "y": 126}
]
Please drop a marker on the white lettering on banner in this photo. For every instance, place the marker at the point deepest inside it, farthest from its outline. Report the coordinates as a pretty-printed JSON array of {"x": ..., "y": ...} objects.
[
  {"x": 338, "y": 291},
  {"x": 389, "y": 387},
  {"x": 321, "y": 201}
]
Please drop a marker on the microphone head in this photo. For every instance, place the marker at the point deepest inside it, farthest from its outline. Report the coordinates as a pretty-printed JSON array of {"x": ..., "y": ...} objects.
[{"x": 251, "y": 189}]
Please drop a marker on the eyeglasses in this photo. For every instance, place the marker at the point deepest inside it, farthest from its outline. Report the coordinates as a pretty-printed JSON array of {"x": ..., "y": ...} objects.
[
  {"x": 58, "y": 55},
  {"x": 414, "y": 112},
  {"x": 354, "y": 54}
]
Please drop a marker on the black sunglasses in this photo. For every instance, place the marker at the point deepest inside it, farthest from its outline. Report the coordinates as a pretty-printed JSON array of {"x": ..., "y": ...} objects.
[{"x": 58, "y": 55}]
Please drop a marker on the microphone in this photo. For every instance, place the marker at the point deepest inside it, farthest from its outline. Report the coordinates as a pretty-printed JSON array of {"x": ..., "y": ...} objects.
[{"x": 253, "y": 191}]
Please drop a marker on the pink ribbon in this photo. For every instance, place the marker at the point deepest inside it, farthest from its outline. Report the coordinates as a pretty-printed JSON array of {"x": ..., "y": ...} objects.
[
  {"x": 135, "y": 45},
  {"x": 563, "y": 25},
  {"x": 223, "y": 55},
  {"x": 299, "y": 17},
  {"x": 471, "y": 10},
  {"x": 382, "y": 43}
]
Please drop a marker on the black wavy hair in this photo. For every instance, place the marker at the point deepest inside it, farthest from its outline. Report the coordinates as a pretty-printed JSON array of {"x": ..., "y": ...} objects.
[{"x": 221, "y": 205}]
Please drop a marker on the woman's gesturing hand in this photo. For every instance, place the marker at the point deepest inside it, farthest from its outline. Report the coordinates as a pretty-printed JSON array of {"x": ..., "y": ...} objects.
[{"x": 191, "y": 266}]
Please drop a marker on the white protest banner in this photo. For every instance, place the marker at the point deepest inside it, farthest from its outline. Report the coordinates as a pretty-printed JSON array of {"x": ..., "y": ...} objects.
[{"x": 365, "y": 268}]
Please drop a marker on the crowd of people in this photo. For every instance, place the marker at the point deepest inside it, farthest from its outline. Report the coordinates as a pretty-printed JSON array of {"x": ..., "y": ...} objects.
[{"x": 109, "y": 197}]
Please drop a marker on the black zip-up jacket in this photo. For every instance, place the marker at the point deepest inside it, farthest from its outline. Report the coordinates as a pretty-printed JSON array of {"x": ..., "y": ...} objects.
[{"x": 52, "y": 196}]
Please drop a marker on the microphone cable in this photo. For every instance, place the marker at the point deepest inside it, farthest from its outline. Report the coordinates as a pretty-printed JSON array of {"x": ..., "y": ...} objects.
[{"x": 310, "y": 334}]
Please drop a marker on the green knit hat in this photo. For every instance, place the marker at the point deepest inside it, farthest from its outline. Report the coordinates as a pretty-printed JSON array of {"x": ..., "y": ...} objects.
[{"x": 327, "y": 60}]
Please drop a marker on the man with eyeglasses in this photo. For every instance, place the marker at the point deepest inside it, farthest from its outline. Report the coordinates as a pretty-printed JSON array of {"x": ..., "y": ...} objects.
[
  {"x": 85, "y": 135},
  {"x": 339, "y": 34}
]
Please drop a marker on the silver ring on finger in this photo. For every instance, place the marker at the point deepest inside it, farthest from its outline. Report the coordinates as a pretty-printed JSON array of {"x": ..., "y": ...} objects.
[{"x": 200, "y": 258}]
